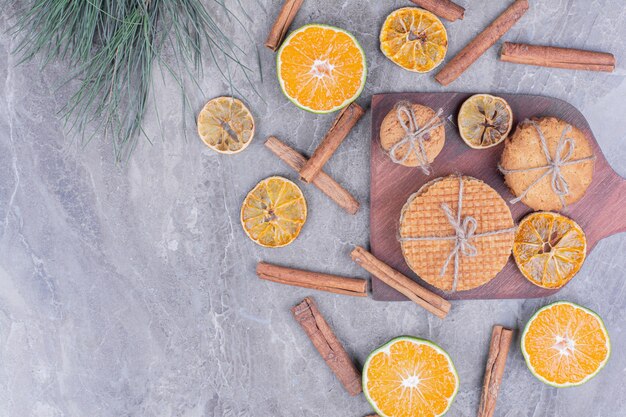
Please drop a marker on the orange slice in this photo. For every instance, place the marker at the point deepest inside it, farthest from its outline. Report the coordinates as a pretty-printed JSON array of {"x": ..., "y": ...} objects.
[
  {"x": 549, "y": 249},
  {"x": 565, "y": 344},
  {"x": 410, "y": 377},
  {"x": 321, "y": 68},
  {"x": 226, "y": 125},
  {"x": 414, "y": 39},
  {"x": 484, "y": 121},
  {"x": 274, "y": 212}
]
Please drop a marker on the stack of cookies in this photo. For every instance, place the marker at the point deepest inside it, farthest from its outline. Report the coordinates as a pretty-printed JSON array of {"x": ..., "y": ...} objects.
[
  {"x": 547, "y": 163},
  {"x": 456, "y": 233},
  {"x": 412, "y": 135}
]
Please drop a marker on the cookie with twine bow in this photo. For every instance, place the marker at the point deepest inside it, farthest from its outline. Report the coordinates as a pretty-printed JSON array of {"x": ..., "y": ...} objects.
[
  {"x": 413, "y": 135},
  {"x": 547, "y": 163},
  {"x": 456, "y": 233}
]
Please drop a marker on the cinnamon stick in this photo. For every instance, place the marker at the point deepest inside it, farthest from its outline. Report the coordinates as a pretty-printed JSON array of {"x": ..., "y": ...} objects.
[
  {"x": 323, "y": 181},
  {"x": 442, "y": 8},
  {"x": 344, "y": 122},
  {"x": 281, "y": 24},
  {"x": 483, "y": 41},
  {"x": 411, "y": 289},
  {"x": 314, "y": 280},
  {"x": 555, "y": 57},
  {"x": 309, "y": 317},
  {"x": 501, "y": 339}
]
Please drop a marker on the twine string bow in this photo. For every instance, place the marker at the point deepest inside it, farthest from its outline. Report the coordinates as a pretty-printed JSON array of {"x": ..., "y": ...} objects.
[
  {"x": 414, "y": 136},
  {"x": 464, "y": 232},
  {"x": 562, "y": 158}
]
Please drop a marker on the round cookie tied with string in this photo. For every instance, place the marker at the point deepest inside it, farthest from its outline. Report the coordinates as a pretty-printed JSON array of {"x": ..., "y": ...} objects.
[
  {"x": 547, "y": 163},
  {"x": 413, "y": 135},
  {"x": 456, "y": 233}
]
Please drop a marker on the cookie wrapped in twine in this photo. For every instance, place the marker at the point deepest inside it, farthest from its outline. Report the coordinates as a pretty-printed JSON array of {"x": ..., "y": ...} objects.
[
  {"x": 562, "y": 157},
  {"x": 465, "y": 231},
  {"x": 414, "y": 136}
]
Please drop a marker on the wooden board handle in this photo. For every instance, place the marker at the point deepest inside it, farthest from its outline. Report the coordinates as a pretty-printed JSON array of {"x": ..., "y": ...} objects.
[
  {"x": 619, "y": 215},
  {"x": 610, "y": 203}
]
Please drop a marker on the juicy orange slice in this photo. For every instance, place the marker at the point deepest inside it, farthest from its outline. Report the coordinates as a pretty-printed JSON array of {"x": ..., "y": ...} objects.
[
  {"x": 485, "y": 121},
  {"x": 274, "y": 212},
  {"x": 226, "y": 125},
  {"x": 414, "y": 39},
  {"x": 410, "y": 377},
  {"x": 549, "y": 249},
  {"x": 565, "y": 344},
  {"x": 321, "y": 68}
]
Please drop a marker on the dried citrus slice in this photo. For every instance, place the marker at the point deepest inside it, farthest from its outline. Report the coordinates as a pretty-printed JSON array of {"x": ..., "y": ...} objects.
[
  {"x": 410, "y": 377},
  {"x": 414, "y": 39},
  {"x": 321, "y": 68},
  {"x": 274, "y": 212},
  {"x": 549, "y": 249},
  {"x": 565, "y": 344},
  {"x": 485, "y": 120},
  {"x": 226, "y": 125}
]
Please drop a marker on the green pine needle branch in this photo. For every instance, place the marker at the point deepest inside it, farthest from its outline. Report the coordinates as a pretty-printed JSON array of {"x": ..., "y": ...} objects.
[{"x": 113, "y": 46}]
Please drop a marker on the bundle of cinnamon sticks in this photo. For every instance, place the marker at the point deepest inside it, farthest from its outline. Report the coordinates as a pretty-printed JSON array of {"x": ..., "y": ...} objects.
[
  {"x": 501, "y": 339},
  {"x": 308, "y": 315}
]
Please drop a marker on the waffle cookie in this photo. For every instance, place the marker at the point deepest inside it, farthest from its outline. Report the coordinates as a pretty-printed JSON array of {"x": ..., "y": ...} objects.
[
  {"x": 406, "y": 119},
  {"x": 547, "y": 181},
  {"x": 434, "y": 247}
]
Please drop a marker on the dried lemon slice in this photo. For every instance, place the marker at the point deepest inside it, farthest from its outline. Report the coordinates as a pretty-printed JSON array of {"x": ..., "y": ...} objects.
[
  {"x": 484, "y": 121},
  {"x": 414, "y": 39},
  {"x": 549, "y": 249},
  {"x": 274, "y": 212},
  {"x": 226, "y": 125}
]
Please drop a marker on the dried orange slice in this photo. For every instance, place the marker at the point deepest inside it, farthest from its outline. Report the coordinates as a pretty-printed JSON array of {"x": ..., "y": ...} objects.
[
  {"x": 226, "y": 125},
  {"x": 321, "y": 68},
  {"x": 274, "y": 212},
  {"x": 565, "y": 344},
  {"x": 410, "y": 377},
  {"x": 414, "y": 39},
  {"x": 485, "y": 121},
  {"x": 549, "y": 249}
]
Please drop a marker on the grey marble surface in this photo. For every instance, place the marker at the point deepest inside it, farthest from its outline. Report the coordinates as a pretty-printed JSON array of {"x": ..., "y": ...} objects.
[{"x": 130, "y": 290}]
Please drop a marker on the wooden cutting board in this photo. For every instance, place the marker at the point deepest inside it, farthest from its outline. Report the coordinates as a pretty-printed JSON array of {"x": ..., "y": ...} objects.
[{"x": 601, "y": 212}]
